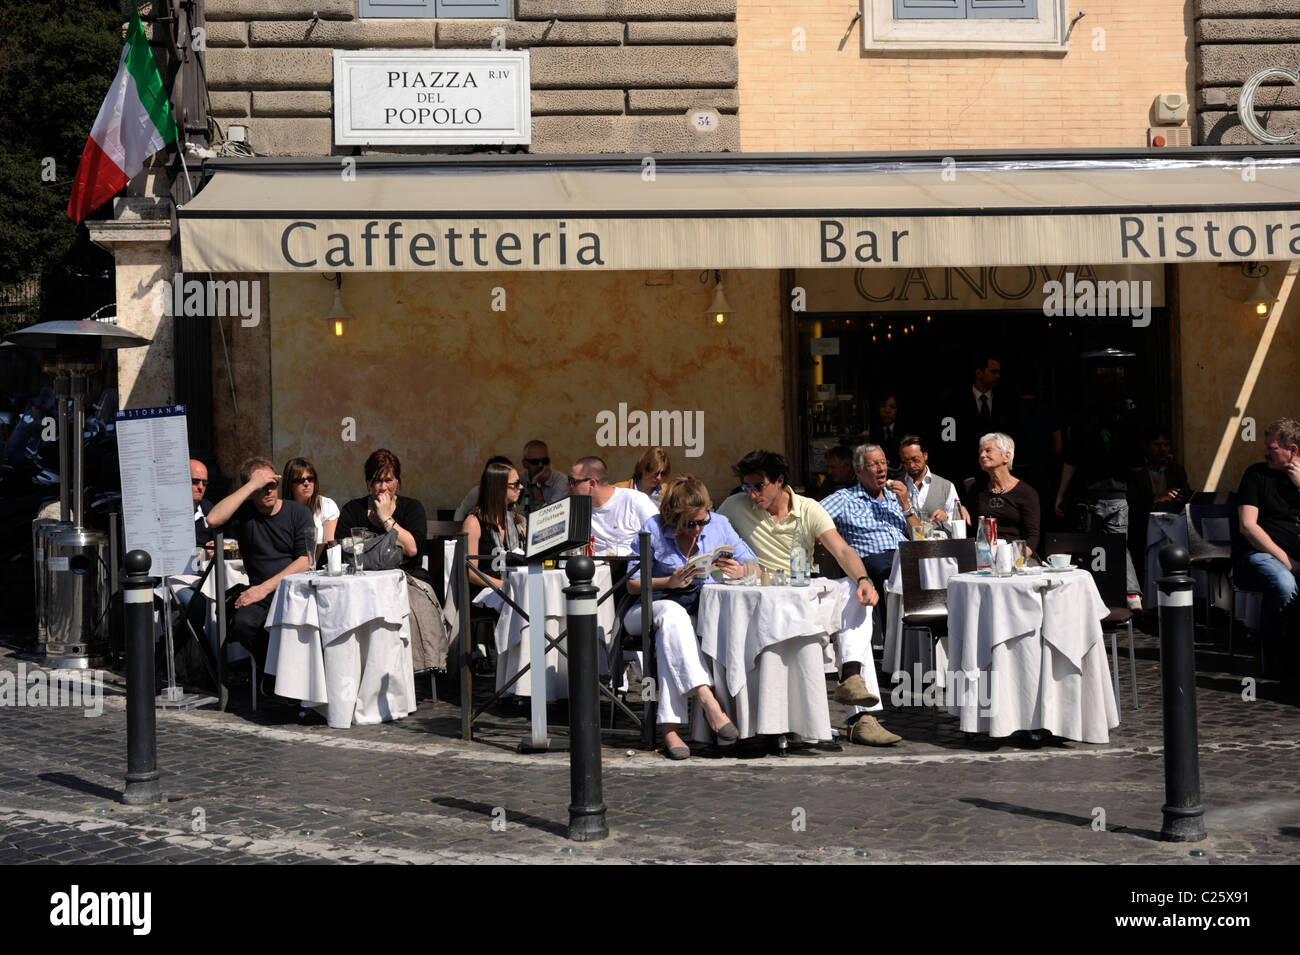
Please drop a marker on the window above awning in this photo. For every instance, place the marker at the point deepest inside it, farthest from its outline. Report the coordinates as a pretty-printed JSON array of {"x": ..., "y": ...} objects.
[{"x": 831, "y": 210}]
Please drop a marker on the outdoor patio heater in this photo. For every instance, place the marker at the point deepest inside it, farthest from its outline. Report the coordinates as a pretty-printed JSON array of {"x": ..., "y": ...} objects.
[{"x": 72, "y": 562}]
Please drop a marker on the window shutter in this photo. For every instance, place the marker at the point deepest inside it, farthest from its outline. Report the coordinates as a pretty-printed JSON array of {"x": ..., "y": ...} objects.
[
  {"x": 476, "y": 9},
  {"x": 1002, "y": 9},
  {"x": 930, "y": 9},
  {"x": 413, "y": 9}
]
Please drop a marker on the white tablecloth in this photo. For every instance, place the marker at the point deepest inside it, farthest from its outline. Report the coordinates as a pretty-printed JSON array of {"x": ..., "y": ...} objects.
[
  {"x": 1027, "y": 653},
  {"x": 234, "y": 576},
  {"x": 512, "y": 630},
  {"x": 915, "y": 657},
  {"x": 765, "y": 648},
  {"x": 343, "y": 645}
]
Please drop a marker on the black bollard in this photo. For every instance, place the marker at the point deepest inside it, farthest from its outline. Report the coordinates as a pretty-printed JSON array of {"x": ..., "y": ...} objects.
[
  {"x": 1184, "y": 818},
  {"x": 587, "y": 805},
  {"x": 142, "y": 785}
]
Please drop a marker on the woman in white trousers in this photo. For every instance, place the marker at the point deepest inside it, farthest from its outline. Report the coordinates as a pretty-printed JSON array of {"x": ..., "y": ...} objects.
[{"x": 685, "y": 527}]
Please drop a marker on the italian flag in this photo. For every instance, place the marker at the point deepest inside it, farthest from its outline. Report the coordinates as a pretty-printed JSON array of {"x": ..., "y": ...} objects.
[{"x": 133, "y": 124}]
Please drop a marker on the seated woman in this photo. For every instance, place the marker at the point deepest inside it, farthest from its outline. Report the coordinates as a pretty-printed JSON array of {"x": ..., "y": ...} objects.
[
  {"x": 650, "y": 476},
  {"x": 382, "y": 510},
  {"x": 1008, "y": 500},
  {"x": 304, "y": 487},
  {"x": 493, "y": 523},
  {"x": 684, "y": 527}
]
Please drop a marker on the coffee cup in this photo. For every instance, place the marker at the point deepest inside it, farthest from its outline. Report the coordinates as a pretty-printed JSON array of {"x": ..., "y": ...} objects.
[{"x": 1058, "y": 561}]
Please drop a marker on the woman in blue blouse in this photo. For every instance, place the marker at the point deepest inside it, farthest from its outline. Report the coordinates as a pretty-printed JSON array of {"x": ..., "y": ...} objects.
[{"x": 686, "y": 526}]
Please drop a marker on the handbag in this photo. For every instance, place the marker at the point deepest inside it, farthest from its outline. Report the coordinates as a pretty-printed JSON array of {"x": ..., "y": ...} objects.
[{"x": 381, "y": 553}]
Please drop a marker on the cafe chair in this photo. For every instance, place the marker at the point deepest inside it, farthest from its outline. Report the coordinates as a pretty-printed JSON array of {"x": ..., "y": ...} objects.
[
  {"x": 1250, "y": 600},
  {"x": 927, "y": 610},
  {"x": 434, "y": 558},
  {"x": 826, "y": 563},
  {"x": 1211, "y": 527},
  {"x": 1110, "y": 574}
]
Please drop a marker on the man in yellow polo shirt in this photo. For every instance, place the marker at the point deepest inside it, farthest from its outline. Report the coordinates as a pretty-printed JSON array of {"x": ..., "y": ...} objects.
[{"x": 765, "y": 515}]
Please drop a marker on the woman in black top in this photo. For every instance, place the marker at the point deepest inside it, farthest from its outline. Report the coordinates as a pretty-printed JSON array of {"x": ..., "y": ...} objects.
[
  {"x": 493, "y": 522},
  {"x": 1008, "y": 500},
  {"x": 382, "y": 510}
]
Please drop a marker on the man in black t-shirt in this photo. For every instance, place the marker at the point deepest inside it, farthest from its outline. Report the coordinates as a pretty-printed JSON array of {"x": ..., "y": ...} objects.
[
  {"x": 276, "y": 538},
  {"x": 1268, "y": 510}
]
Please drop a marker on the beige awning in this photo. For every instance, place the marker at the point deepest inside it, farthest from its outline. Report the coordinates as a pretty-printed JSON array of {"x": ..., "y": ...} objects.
[{"x": 741, "y": 211}]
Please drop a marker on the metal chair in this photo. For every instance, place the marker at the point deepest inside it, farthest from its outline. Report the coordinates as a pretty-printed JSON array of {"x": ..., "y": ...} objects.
[
  {"x": 1102, "y": 555},
  {"x": 928, "y": 609},
  {"x": 1211, "y": 527}
]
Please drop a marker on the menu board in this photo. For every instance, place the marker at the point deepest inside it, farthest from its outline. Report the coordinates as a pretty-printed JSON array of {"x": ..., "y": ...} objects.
[
  {"x": 153, "y": 456},
  {"x": 558, "y": 527}
]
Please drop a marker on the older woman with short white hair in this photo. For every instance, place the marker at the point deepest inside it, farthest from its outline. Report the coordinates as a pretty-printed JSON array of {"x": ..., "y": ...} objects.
[{"x": 1006, "y": 499}]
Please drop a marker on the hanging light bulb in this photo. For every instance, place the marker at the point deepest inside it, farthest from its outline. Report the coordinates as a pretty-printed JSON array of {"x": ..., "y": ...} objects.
[
  {"x": 1260, "y": 298},
  {"x": 721, "y": 308},
  {"x": 337, "y": 313}
]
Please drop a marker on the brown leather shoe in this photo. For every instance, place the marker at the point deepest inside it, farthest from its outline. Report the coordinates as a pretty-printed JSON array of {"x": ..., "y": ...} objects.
[
  {"x": 867, "y": 731},
  {"x": 854, "y": 692}
]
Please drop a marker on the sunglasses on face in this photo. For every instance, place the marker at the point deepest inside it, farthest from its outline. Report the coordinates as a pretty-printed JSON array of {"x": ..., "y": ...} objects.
[
  {"x": 574, "y": 482},
  {"x": 694, "y": 524},
  {"x": 536, "y": 462},
  {"x": 197, "y": 481},
  {"x": 515, "y": 484},
  {"x": 755, "y": 488},
  {"x": 269, "y": 486},
  {"x": 304, "y": 480}
]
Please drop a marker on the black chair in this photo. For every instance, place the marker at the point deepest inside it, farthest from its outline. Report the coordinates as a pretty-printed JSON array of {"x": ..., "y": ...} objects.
[
  {"x": 826, "y": 563},
  {"x": 1211, "y": 527},
  {"x": 436, "y": 534},
  {"x": 1103, "y": 556},
  {"x": 928, "y": 609}
]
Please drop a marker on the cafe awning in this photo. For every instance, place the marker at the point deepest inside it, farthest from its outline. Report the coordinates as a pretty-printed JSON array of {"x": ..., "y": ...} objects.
[{"x": 743, "y": 211}]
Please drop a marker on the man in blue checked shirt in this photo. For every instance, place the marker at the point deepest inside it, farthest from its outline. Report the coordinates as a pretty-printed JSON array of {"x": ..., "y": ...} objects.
[{"x": 873, "y": 515}]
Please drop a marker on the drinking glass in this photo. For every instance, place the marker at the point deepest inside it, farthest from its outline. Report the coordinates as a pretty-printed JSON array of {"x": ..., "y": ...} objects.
[
  {"x": 360, "y": 533},
  {"x": 1019, "y": 550},
  {"x": 357, "y": 547}
]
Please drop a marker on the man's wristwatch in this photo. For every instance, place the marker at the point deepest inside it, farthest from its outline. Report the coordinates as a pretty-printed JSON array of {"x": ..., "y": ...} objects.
[
  {"x": 861, "y": 579},
  {"x": 910, "y": 512}
]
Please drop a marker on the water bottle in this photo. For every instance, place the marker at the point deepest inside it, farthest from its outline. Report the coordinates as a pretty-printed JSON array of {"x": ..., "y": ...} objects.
[
  {"x": 984, "y": 547},
  {"x": 799, "y": 559},
  {"x": 956, "y": 522}
]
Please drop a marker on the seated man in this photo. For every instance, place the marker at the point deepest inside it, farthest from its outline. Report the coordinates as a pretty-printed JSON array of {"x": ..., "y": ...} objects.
[
  {"x": 839, "y": 472},
  {"x": 199, "y": 489},
  {"x": 933, "y": 498},
  {"x": 617, "y": 513},
  {"x": 766, "y": 515},
  {"x": 1158, "y": 485},
  {"x": 543, "y": 485},
  {"x": 1268, "y": 554},
  {"x": 276, "y": 538}
]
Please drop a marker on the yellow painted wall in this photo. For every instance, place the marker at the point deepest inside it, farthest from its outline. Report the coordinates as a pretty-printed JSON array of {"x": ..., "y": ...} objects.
[
  {"x": 430, "y": 371},
  {"x": 825, "y": 98},
  {"x": 1219, "y": 340}
]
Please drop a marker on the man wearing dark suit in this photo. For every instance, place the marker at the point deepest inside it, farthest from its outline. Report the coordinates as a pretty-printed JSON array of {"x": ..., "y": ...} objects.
[{"x": 975, "y": 411}]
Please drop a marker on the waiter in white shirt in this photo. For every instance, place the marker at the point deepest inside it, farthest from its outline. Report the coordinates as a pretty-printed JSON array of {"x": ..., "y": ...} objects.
[{"x": 933, "y": 497}]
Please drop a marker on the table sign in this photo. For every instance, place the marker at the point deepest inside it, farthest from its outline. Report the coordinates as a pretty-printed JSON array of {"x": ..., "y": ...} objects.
[
  {"x": 558, "y": 527},
  {"x": 153, "y": 459},
  {"x": 431, "y": 98}
]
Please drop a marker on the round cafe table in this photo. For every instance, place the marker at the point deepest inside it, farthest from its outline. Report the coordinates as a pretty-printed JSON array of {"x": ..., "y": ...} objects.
[
  {"x": 765, "y": 648},
  {"x": 1026, "y": 652},
  {"x": 343, "y": 645}
]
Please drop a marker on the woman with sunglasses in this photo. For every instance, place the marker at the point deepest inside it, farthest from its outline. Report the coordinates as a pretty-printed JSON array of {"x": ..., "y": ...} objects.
[
  {"x": 650, "y": 476},
  {"x": 493, "y": 523},
  {"x": 382, "y": 510},
  {"x": 304, "y": 487},
  {"x": 686, "y": 526}
]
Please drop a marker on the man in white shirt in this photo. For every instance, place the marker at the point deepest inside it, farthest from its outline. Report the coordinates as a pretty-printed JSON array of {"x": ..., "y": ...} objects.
[
  {"x": 617, "y": 513},
  {"x": 933, "y": 497}
]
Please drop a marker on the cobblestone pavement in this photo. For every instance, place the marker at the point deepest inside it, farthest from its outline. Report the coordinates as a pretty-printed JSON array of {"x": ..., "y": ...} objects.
[{"x": 243, "y": 787}]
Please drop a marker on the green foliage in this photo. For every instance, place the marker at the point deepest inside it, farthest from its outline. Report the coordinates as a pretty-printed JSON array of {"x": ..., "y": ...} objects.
[{"x": 57, "y": 59}]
